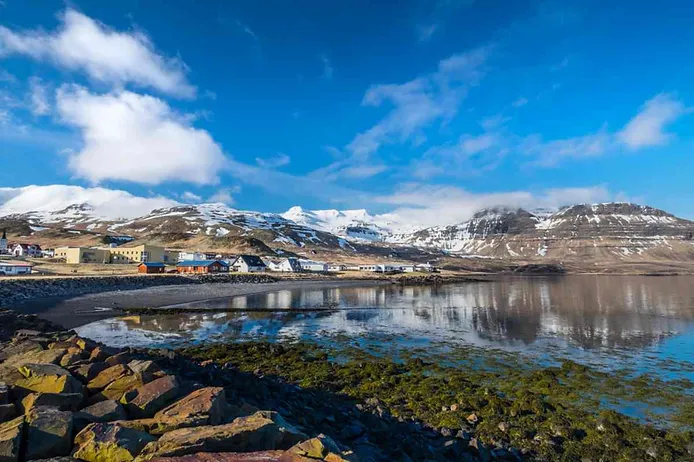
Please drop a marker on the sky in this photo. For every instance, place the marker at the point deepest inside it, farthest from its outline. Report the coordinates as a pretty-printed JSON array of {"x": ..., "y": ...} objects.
[{"x": 428, "y": 110}]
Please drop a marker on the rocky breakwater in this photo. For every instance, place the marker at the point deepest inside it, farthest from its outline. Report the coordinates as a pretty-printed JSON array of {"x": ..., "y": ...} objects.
[
  {"x": 65, "y": 398},
  {"x": 15, "y": 292}
]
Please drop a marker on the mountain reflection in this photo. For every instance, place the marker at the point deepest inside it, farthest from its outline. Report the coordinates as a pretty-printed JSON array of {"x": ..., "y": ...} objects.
[{"x": 585, "y": 311}]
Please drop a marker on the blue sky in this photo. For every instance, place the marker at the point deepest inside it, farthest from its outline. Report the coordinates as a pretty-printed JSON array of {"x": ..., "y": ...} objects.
[{"x": 429, "y": 109}]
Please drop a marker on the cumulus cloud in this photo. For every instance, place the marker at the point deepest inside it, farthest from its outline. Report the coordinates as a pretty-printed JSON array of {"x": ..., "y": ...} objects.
[
  {"x": 427, "y": 205},
  {"x": 647, "y": 127},
  {"x": 107, "y": 203},
  {"x": 114, "y": 57},
  {"x": 224, "y": 196},
  {"x": 188, "y": 196},
  {"x": 137, "y": 138}
]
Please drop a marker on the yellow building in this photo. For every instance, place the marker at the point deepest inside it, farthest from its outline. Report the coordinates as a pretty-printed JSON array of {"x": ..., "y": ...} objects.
[
  {"x": 74, "y": 255},
  {"x": 136, "y": 254}
]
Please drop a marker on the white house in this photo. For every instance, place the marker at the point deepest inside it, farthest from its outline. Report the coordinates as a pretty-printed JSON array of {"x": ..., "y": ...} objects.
[
  {"x": 381, "y": 268},
  {"x": 14, "y": 268},
  {"x": 248, "y": 264},
  {"x": 26, "y": 250},
  {"x": 191, "y": 256},
  {"x": 336, "y": 267},
  {"x": 407, "y": 268},
  {"x": 426, "y": 268},
  {"x": 48, "y": 253},
  {"x": 314, "y": 266},
  {"x": 284, "y": 265},
  {"x": 370, "y": 267}
]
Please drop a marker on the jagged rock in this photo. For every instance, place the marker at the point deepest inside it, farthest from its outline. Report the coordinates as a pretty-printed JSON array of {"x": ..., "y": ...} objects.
[
  {"x": 107, "y": 376},
  {"x": 35, "y": 357},
  {"x": 205, "y": 406},
  {"x": 264, "y": 430},
  {"x": 147, "y": 400},
  {"x": 48, "y": 378},
  {"x": 101, "y": 353},
  {"x": 105, "y": 411},
  {"x": 258, "y": 456},
  {"x": 119, "y": 358},
  {"x": 118, "y": 388},
  {"x": 70, "y": 358},
  {"x": 62, "y": 401},
  {"x": 18, "y": 348},
  {"x": 4, "y": 393},
  {"x": 11, "y": 439},
  {"x": 87, "y": 372},
  {"x": 316, "y": 448},
  {"x": 9, "y": 374},
  {"x": 145, "y": 369},
  {"x": 57, "y": 459},
  {"x": 7, "y": 412},
  {"x": 102, "y": 442},
  {"x": 49, "y": 432}
]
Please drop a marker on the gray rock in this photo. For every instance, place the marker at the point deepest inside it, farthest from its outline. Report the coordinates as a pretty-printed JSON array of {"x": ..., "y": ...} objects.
[
  {"x": 11, "y": 439},
  {"x": 49, "y": 433}
]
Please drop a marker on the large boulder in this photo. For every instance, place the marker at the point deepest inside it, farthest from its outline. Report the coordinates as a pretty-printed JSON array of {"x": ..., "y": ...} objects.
[
  {"x": 7, "y": 412},
  {"x": 147, "y": 400},
  {"x": 48, "y": 378},
  {"x": 62, "y": 401},
  {"x": 257, "y": 456},
  {"x": 316, "y": 448},
  {"x": 205, "y": 406},
  {"x": 147, "y": 370},
  {"x": 4, "y": 393},
  {"x": 107, "y": 442},
  {"x": 11, "y": 439},
  {"x": 107, "y": 376},
  {"x": 35, "y": 357},
  {"x": 104, "y": 411},
  {"x": 19, "y": 347},
  {"x": 262, "y": 431},
  {"x": 118, "y": 388},
  {"x": 119, "y": 358},
  {"x": 87, "y": 372},
  {"x": 49, "y": 432}
]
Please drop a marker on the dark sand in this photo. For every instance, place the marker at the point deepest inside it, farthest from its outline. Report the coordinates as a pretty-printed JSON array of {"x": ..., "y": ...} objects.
[{"x": 77, "y": 311}]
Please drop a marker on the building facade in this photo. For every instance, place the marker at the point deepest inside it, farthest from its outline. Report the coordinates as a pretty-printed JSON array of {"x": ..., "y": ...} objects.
[
  {"x": 76, "y": 255},
  {"x": 151, "y": 268},
  {"x": 138, "y": 254},
  {"x": 202, "y": 267},
  {"x": 313, "y": 266},
  {"x": 248, "y": 264},
  {"x": 26, "y": 250},
  {"x": 14, "y": 268}
]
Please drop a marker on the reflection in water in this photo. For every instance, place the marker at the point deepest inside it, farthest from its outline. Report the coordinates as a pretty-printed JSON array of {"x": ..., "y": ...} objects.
[{"x": 600, "y": 313}]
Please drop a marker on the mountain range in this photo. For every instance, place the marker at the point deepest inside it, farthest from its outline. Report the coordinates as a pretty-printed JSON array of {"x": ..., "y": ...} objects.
[{"x": 586, "y": 234}]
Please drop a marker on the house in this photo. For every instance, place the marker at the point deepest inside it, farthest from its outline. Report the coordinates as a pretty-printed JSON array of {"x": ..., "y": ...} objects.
[
  {"x": 336, "y": 267},
  {"x": 314, "y": 266},
  {"x": 48, "y": 253},
  {"x": 426, "y": 268},
  {"x": 26, "y": 250},
  {"x": 142, "y": 253},
  {"x": 76, "y": 255},
  {"x": 284, "y": 265},
  {"x": 188, "y": 256},
  {"x": 4, "y": 250},
  {"x": 248, "y": 264},
  {"x": 151, "y": 268},
  {"x": 381, "y": 268},
  {"x": 368, "y": 268},
  {"x": 202, "y": 266},
  {"x": 14, "y": 268}
]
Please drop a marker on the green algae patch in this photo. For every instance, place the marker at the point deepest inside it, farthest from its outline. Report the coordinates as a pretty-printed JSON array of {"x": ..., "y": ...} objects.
[{"x": 565, "y": 412}]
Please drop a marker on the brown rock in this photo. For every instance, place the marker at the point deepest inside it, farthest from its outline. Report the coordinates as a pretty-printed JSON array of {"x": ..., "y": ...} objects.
[
  {"x": 87, "y": 372},
  {"x": 7, "y": 412},
  {"x": 35, "y": 357},
  {"x": 118, "y": 388},
  {"x": 9, "y": 374},
  {"x": 258, "y": 456},
  {"x": 107, "y": 376},
  {"x": 147, "y": 370},
  {"x": 119, "y": 358},
  {"x": 106, "y": 442},
  {"x": 262, "y": 431},
  {"x": 316, "y": 448},
  {"x": 11, "y": 439},
  {"x": 48, "y": 378},
  {"x": 20, "y": 347},
  {"x": 62, "y": 401},
  {"x": 70, "y": 358},
  {"x": 101, "y": 353},
  {"x": 205, "y": 406},
  {"x": 49, "y": 432},
  {"x": 147, "y": 400},
  {"x": 105, "y": 411}
]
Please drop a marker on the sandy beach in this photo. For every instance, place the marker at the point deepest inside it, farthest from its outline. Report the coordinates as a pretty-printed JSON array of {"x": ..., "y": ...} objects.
[{"x": 77, "y": 311}]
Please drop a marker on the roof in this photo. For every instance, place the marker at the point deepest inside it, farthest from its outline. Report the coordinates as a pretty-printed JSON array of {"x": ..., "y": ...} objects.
[
  {"x": 14, "y": 263},
  {"x": 151, "y": 264},
  {"x": 201, "y": 263},
  {"x": 251, "y": 260}
]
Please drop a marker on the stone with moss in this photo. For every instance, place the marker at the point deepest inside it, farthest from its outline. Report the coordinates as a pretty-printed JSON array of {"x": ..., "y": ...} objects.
[
  {"x": 49, "y": 432},
  {"x": 101, "y": 442},
  {"x": 11, "y": 439}
]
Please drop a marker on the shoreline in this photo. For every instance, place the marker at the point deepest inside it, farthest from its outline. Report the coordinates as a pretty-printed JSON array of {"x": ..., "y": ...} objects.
[{"x": 71, "y": 312}]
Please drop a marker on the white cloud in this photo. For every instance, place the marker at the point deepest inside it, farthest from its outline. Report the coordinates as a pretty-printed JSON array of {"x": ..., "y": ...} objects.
[
  {"x": 520, "y": 102},
  {"x": 646, "y": 128},
  {"x": 550, "y": 153},
  {"x": 107, "y": 203},
  {"x": 279, "y": 160},
  {"x": 224, "y": 196},
  {"x": 476, "y": 144},
  {"x": 138, "y": 138},
  {"x": 426, "y": 205},
  {"x": 106, "y": 55},
  {"x": 190, "y": 197},
  {"x": 38, "y": 97}
]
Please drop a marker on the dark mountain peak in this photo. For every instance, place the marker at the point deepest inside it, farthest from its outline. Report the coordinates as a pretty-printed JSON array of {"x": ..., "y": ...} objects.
[
  {"x": 612, "y": 208},
  {"x": 501, "y": 212}
]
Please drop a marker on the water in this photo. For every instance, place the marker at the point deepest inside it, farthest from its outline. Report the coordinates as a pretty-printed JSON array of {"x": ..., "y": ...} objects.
[{"x": 642, "y": 323}]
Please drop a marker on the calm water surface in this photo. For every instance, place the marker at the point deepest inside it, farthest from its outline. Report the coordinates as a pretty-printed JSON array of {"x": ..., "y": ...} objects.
[{"x": 644, "y": 323}]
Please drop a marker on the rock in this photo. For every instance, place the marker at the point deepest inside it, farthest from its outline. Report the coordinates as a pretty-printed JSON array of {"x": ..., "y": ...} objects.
[
  {"x": 70, "y": 358},
  {"x": 264, "y": 430},
  {"x": 48, "y": 378},
  {"x": 35, "y": 357},
  {"x": 106, "y": 442},
  {"x": 454, "y": 407},
  {"x": 107, "y": 376},
  {"x": 118, "y": 388},
  {"x": 119, "y": 358},
  {"x": 4, "y": 393},
  {"x": 56, "y": 459},
  {"x": 21, "y": 347},
  {"x": 87, "y": 372},
  {"x": 472, "y": 418},
  {"x": 11, "y": 439},
  {"x": 101, "y": 353},
  {"x": 105, "y": 411},
  {"x": 205, "y": 406},
  {"x": 7, "y": 412},
  {"x": 62, "y": 401},
  {"x": 258, "y": 456},
  {"x": 9, "y": 375},
  {"x": 146, "y": 370},
  {"x": 147, "y": 400},
  {"x": 316, "y": 448},
  {"x": 49, "y": 432}
]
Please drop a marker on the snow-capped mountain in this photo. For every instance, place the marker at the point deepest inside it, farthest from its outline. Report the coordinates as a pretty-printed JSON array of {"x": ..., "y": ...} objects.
[
  {"x": 578, "y": 231},
  {"x": 351, "y": 224}
]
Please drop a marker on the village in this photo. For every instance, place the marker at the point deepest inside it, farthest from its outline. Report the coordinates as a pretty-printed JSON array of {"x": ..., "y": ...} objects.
[{"x": 151, "y": 259}]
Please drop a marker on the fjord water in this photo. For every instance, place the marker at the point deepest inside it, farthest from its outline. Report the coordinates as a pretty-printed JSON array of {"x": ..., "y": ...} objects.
[{"x": 641, "y": 323}]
